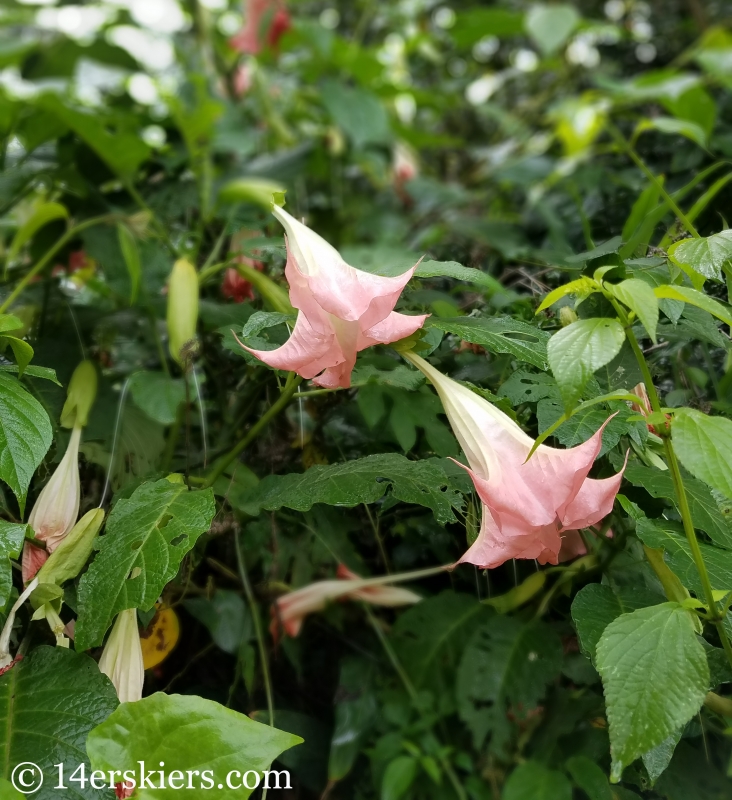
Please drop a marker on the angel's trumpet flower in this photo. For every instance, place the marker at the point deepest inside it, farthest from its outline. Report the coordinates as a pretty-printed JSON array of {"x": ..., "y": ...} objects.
[
  {"x": 57, "y": 507},
  {"x": 290, "y": 610},
  {"x": 529, "y": 507},
  {"x": 342, "y": 310},
  {"x": 121, "y": 659},
  {"x": 266, "y": 22}
]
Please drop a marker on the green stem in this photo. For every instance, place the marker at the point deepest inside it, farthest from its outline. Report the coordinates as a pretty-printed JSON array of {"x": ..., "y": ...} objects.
[
  {"x": 38, "y": 267},
  {"x": 412, "y": 692},
  {"x": 254, "y": 609},
  {"x": 638, "y": 161},
  {"x": 682, "y": 499},
  {"x": 293, "y": 381}
]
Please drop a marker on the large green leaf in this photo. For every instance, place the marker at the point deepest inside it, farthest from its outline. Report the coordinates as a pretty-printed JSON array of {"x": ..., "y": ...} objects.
[
  {"x": 707, "y": 256},
  {"x": 363, "y": 480},
  {"x": 12, "y": 536},
  {"x": 655, "y": 675},
  {"x": 25, "y": 436},
  {"x": 534, "y": 781},
  {"x": 506, "y": 666},
  {"x": 695, "y": 298},
  {"x": 576, "y": 351},
  {"x": 704, "y": 508},
  {"x": 704, "y": 447},
  {"x": 638, "y": 296},
  {"x": 500, "y": 335},
  {"x": 187, "y": 733},
  {"x": 147, "y": 535},
  {"x": 48, "y": 704},
  {"x": 451, "y": 269}
]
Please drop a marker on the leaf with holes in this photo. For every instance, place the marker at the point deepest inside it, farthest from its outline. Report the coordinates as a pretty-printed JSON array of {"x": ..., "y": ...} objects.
[
  {"x": 147, "y": 535},
  {"x": 499, "y": 335}
]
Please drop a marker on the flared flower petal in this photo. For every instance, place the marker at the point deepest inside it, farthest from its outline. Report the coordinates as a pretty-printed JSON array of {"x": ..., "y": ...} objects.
[
  {"x": 528, "y": 506},
  {"x": 121, "y": 659},
  {"x": 342, "y": 310},
  {"x": 266, "y": 22},
  {"x": 290, "y": 610}
]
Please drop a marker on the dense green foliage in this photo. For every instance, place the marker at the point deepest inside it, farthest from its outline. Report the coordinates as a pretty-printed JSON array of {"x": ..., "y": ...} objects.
[{"x": 563, "y": 171}]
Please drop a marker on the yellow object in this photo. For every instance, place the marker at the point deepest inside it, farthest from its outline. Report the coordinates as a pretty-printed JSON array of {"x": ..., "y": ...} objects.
[
  {"x": 80, "y": 396},
  {"x": 160, "y": 637},
  {"x": 182, "y": 308}
]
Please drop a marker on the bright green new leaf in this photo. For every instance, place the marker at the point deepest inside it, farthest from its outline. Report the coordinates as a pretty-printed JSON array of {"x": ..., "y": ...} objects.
[
  {"x": 499, "y": 335},
  {"x": 582, "y": 287},
  {"x": 575, "y": 352},
  {"x": 9, "y": 322},
  {"x": 707, "y": 256},
  {"x": 68, "y": 559},
  {"x": 45, "y": 213},
  {"x": 704, "y": 447},
  {"x": 363, "y": 480},
  {"x": 551, "y": 26},
  {"x": 22, "y": 351},
  {"x": 638, "y": 296},
  {"x": 8, "y": 791},
  {"x": 131, "y": 255},
  {"x": 655, "y": 675},
  {"x": 187, "y": 733},
  {"x": 534, "y": 781},
  {"x": 12, "y": 535},
  {"x": 25, "y": 436},
  {"x": 48, "y": 704},
  {"x": 681, "y": 127},
  {"x": 146, "y": 537},
  {"x": 695, "y": 298},
  {"x": 398, "y": 777}
]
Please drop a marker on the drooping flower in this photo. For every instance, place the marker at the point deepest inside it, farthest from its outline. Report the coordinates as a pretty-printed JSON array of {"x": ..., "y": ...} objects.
[
  {"x": 290, "y": 610},
  {"x": 529, "y": 507},
  {"x": 265, "y": 23},
  {"x": 342, "y": 310},
  {"x": 121, "y": 659},
  {"x": 6, "y": 660}
]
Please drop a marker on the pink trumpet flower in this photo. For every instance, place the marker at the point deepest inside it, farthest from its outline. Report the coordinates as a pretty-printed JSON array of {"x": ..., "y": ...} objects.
[
  {"x": 290, "y": 610},
  {"x": 342, "y": 310},
  {"x": 531, "y": 509},
  {"x": 56, "y": 509},
  {"x": 266, "y": 22}
]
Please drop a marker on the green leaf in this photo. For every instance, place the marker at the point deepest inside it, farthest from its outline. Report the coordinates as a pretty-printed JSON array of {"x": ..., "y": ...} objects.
[
  {"x": 358, "y": 112},
  {"x": 698, "y": 299},
  {"x": 12, "y": 536},
  {"x": 45, "y": 373},
  {"x": 401, "y": 377},
  {"x": 131, "y": 255},
  {"x": 158, "y": 395},
  {"x": 146, "y": 537},
  {"x": 363, "y": 480},
  {"x": 48, "y": 704},
  {"x": 551, "y": 26},
  {"x": 25, "y": 436},
  {"x": 575, "y": 352},
  {"x": 656, "y": 760},
  {"x": 507, "y": 664},
  {"x": 640, "y": 225},
  {"x": 680, "y": 127},
  {"x": 528, "y": 387},
  {"x": 707, "y": 256},
  {"x": 8, "y": 791},
  {"x": 22, "y": 351},
  {"x": 582, "y": 287},
  {"x": 123, "y": 151},
  {"x": 429, "y": 638},
  {"x": 398, "y": 777},
  {"x": 45, "y": 213},
  {"x": 655, "y": 675},
  {"x": 638, "y": 296},
  {"x": 9, "y": 322},
  {"x": 451, "y": 269},
  {"x": 186, "y": 733},
  {"x": 499, "y": 335},
  {"x": 473, "y": 24},
  {"x": 534, "y": 781},
  {"x": 704, "y": 508},
  {"x": 226, "y": 617},
  {"x": 704, "y": 446},
  {"x": 355, "y": 712},
  {"x": 589, "y": 777}
]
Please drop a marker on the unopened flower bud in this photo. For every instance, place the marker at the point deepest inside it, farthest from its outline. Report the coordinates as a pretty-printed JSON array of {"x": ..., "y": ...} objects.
[
  {"x": 56, "y": 509},
  {"x": 68, "y": 559},
  {"x": 182, "y": 309},
  {"x": 80, "y": 396},
  {"x": 567, "y": 316},
  {"x": 121, "y": 659}
]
